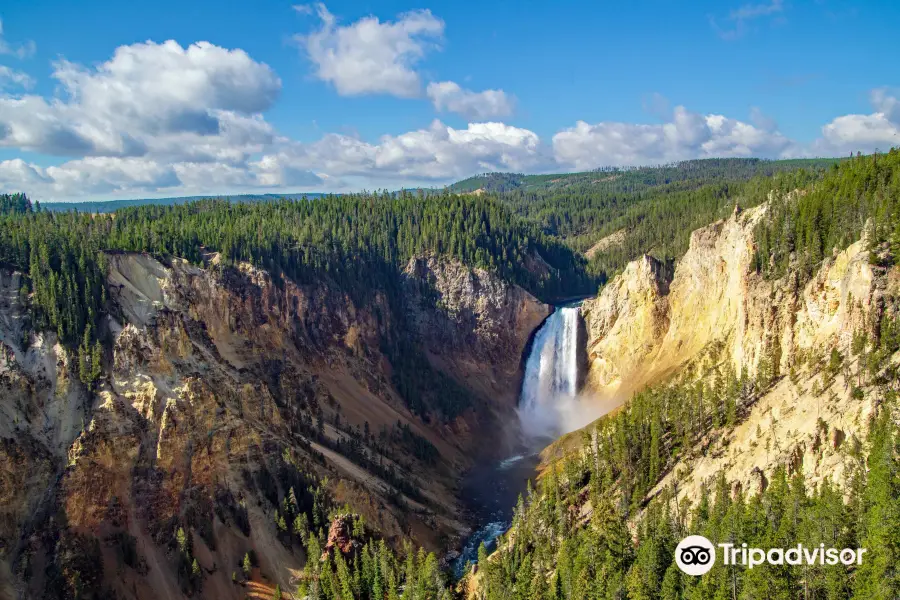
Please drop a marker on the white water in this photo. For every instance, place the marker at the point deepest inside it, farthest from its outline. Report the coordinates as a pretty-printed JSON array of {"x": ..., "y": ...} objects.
[{"x": 550, "y": 388}]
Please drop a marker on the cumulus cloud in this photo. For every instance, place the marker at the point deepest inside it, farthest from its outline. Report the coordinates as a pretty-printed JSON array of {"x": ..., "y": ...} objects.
[
  {"x": 144, "y": 94},
  {"x": 438, "y": 153},
  {"x": 83, "y": 177},
  {"x": 153, "y": 117},
  {"x": 686, "y": 135},
  {"x": 864, "y": 133},
  {"x": 435, "y": 154},
  {"x": 120, "y": 177},
  {"x": 885, "y": 102},
  {"x": 370, "y": 56},
  {"x": 475, "y": 106},
  {"x": 166, "y": 119},
  {"x": 20, "y": 50}
]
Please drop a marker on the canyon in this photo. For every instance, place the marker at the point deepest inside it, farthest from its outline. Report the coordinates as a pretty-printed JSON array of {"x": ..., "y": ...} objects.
[
  {"x": 227, "y": 390},
  {"x": 658, "y": 323},
  {"x": 223, "y": 387}
]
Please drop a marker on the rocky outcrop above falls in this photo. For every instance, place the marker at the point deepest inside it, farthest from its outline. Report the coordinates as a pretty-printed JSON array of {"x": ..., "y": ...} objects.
[
  {"x": 626, "y": 325},
  {"x": 473, "y": 324}
]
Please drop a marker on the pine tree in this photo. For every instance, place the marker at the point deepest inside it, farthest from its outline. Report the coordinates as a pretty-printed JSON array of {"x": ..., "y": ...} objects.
[{"x": 878, "y": 577}]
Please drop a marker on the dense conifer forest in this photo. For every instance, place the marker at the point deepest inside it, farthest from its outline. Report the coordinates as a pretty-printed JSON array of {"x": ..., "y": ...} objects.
[{"x": 856, "y": 196}]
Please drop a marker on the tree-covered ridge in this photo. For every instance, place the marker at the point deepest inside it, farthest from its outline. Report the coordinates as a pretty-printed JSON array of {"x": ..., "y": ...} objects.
[
  {"x": 654, "y": 208},
  {"x": 631, "y": 179},
  {"x": 108, "y": 206},
  {"x": 804, "y": 228},
  {"x": 347, "y": 236}
]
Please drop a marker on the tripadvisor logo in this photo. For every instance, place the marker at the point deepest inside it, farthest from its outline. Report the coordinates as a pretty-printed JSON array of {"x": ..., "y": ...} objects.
[{"x": 696, "y": 555}]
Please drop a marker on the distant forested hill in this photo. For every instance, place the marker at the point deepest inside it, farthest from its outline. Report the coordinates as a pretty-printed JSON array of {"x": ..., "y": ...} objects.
[
  {"x": 649, "y": 209},
  {"x": 108, "y": 206},
  {"x": 631, "y": 179}
]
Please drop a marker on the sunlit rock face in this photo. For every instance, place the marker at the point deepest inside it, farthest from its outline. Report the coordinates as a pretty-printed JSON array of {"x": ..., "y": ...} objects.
[
  {"x": 647, "y": 321},
  {"x": 651, "y": 326}
]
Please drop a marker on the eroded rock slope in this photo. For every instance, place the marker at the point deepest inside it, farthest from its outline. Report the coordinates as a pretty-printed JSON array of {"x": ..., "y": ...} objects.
[{"x": 225, "y": 392}]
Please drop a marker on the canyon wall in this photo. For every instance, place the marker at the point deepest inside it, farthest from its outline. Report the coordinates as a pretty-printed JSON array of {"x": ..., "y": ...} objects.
[
  {"x": 652, "y": 325},
  {"x": 225, "y": 389}
]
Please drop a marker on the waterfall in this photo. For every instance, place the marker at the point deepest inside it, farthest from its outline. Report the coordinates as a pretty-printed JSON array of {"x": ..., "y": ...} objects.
[
  {"x": 549, "y": 405},
  {"x": 550, "y": 386}
]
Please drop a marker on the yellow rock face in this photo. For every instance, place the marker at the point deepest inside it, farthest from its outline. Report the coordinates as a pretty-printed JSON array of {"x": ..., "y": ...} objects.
[
  {"x": 646, "y": 323},
  {"x": 648, "y": 326}
]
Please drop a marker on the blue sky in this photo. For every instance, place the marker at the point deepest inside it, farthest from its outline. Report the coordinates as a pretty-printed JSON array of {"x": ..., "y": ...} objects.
[{"x": 104, "y": 99}]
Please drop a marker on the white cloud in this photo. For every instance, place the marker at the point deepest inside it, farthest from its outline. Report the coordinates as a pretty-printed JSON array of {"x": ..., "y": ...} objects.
[
  {"x": 18, "y": 175},
  {"x": 154, "y": 117},
  {"x": 762, "y": 120},
  {"x": 371, "y": 57},
  {"x": 885, "y": 102},
  {"x": 22, "y": 50},
  {"x": 687, "y": 135},
  {"x": 145, "y": 96},
  {"x": 165, "y": 119},
  {"x": 864, "y": 133},
  {"x": 12, "y": 78},
  {"x": 754, "y": 11},
  {"x": 475, "y": 106},
  {"x": 273, "y": 171},
  {"x": 437, "y": 154},
  {"x": 87, "y": 176},
  {"x": 100, "y": 176}
]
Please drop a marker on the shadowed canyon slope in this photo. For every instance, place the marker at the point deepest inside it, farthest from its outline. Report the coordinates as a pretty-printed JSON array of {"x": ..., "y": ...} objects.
[{"x": 224, "y": 390}]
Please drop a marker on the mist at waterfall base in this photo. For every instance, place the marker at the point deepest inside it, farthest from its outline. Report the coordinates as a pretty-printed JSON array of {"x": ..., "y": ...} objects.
[{"x": 549, "y": 406}]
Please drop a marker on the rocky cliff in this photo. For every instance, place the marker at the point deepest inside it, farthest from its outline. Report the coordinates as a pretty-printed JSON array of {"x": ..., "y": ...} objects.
[
  {"x": 473, "y": 324},
  {"x": 652, "y": 325},
  {"x": 224, "y": 394}
]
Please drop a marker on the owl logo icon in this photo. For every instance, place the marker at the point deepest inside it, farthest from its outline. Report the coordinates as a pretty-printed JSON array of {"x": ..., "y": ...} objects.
[{"x": 695, "y": 555}]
